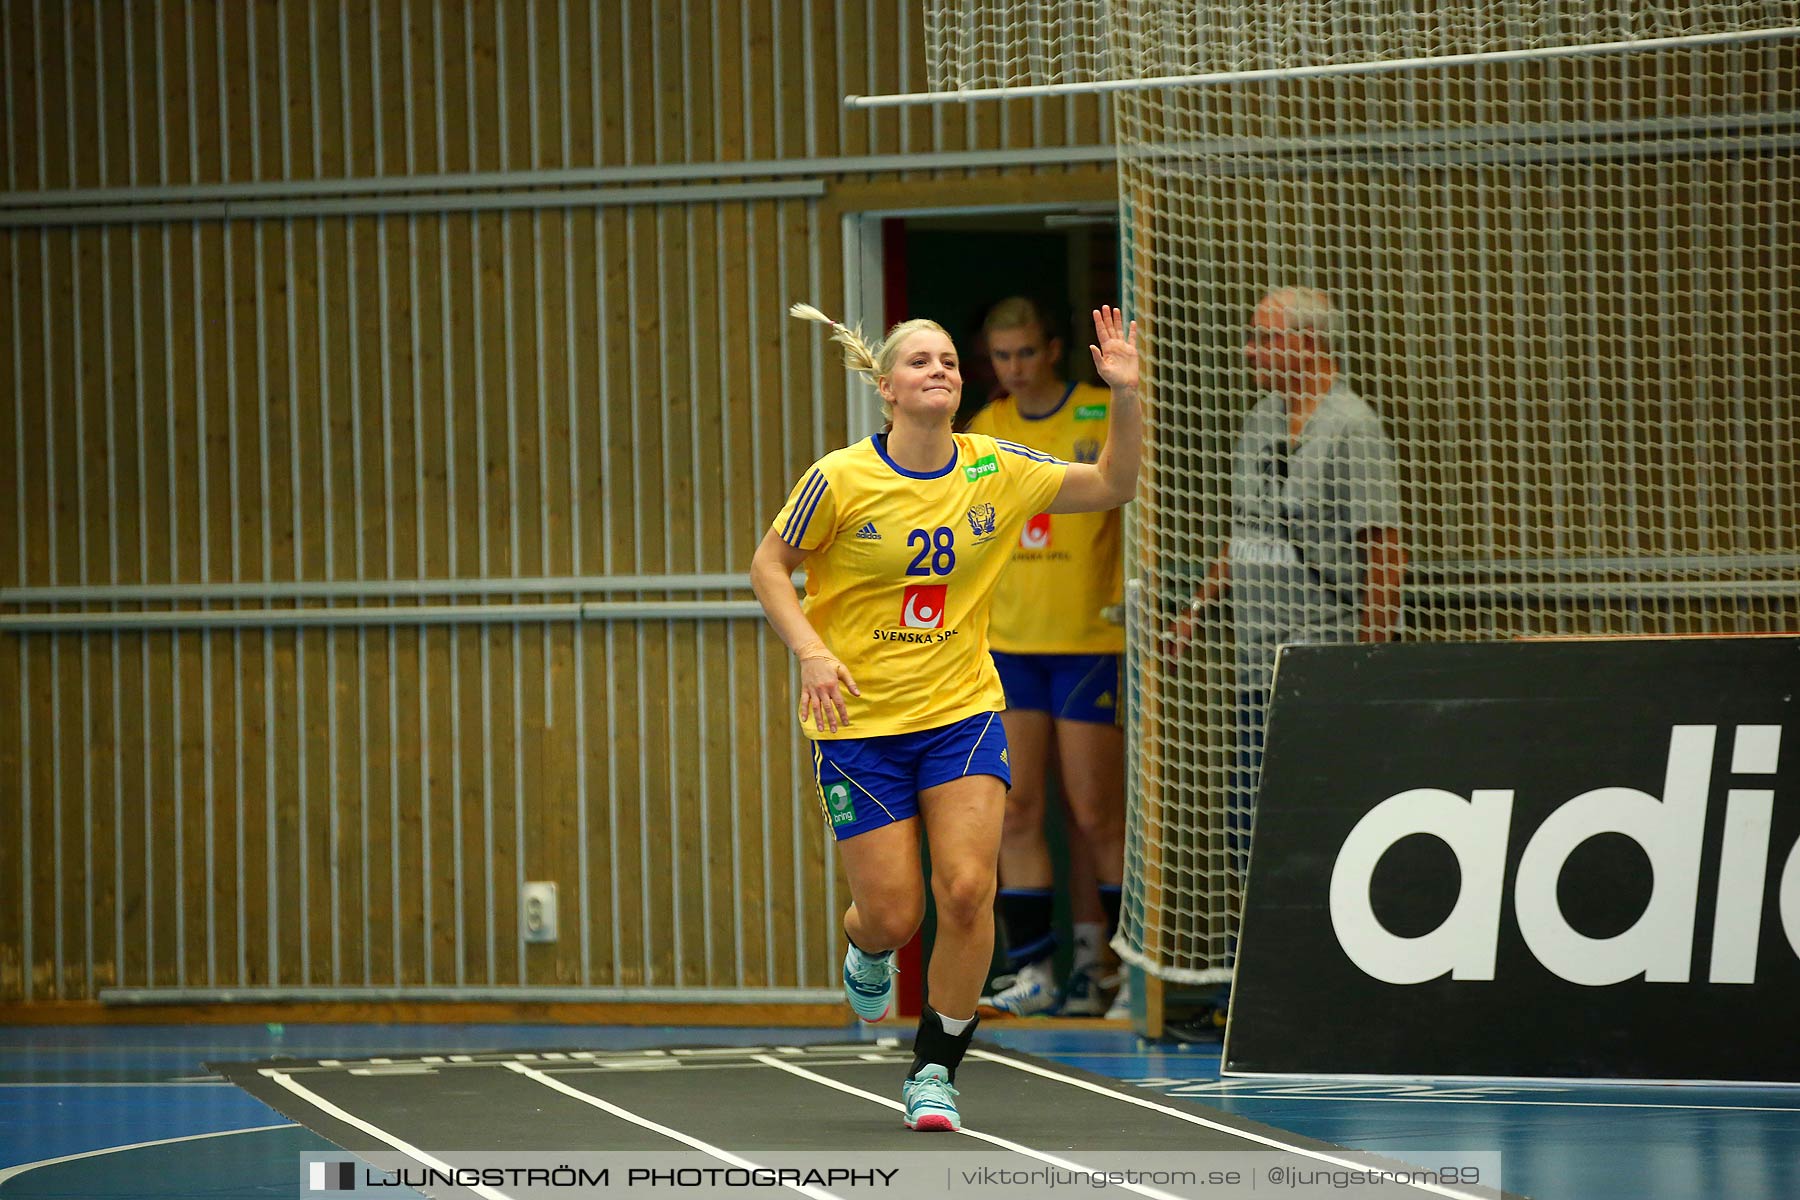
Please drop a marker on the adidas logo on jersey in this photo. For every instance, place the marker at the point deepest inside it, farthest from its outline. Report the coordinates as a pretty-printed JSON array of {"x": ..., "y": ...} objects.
[{"x": 868, "y": 533}]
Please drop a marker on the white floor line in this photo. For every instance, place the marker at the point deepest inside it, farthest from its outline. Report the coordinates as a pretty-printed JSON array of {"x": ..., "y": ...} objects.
[
  {"x": 1474, "y": 1100},
  {"x": 325, "y": 1106},
  {"x": 1041, "y": 1156},
  {"x": 114, "y": 1083},
  {"x": 1195, "y": 1119},
  {"x": 9, "y": 1172},
  {"x": 626, "y": 1114}
]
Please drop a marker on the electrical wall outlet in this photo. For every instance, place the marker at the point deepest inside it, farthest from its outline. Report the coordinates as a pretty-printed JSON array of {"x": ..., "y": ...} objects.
[{"x": 537, "y": 908}]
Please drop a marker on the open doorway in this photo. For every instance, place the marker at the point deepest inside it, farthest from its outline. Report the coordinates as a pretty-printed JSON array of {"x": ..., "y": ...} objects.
[{"x": 953, "y": 266}]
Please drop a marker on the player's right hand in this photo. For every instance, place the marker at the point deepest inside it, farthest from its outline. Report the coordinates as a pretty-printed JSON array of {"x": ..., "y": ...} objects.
[{"x": 822, "y": 682}]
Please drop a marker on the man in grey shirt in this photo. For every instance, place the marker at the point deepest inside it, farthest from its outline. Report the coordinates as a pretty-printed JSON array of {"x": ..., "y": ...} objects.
[{"x": 1314, "y": 553}]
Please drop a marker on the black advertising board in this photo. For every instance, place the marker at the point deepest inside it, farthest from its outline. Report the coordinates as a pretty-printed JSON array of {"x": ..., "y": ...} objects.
[{"x": 1555, "y": 859}]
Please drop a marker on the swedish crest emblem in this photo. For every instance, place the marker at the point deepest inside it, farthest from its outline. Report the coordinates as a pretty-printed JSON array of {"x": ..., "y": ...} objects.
[{"x": 981, "y": 521}]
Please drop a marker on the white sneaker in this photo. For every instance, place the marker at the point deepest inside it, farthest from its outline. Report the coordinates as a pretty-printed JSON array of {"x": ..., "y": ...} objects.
[
  {"x": 1120, "y": 1010},
  {"x": 1029, "y": 993}
]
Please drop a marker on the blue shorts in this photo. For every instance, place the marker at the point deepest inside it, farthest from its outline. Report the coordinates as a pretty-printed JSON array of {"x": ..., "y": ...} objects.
[
  {"x": 1070, "y": 687},
  {"x": 865, "y": 783}
]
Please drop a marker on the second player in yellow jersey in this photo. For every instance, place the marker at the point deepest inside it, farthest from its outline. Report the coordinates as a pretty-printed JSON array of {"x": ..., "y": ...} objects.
[
  {"x": 1068, "y": 568},
  {"x": 1058, "y": 659}
]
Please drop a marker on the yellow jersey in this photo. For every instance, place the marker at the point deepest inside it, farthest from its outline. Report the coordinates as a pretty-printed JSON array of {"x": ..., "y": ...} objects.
[
  {"x": 901, "y": 568},
  {"x": 1068, "y": 566}
]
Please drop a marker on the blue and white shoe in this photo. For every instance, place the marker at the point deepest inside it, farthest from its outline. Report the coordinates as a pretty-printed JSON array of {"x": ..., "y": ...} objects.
[
  {"x": 931, "y": 1101},
  {"x": 869, "y": 982},
  {"x": 1029, "y": 993}
]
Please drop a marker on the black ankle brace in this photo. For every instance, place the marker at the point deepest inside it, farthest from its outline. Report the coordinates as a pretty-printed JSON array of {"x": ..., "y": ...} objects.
[{"x": 933, "y": 1045}]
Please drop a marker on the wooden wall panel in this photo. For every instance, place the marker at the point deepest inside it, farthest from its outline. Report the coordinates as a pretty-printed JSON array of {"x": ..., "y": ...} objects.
[
  {"x": 282, "y": 779},
  {"x": 37, "y": 828},
  {"x": 16, "y": 882},
  {"x": 52, "y": 51},
  {"x": 102, "y": 764},
  {"x": 26, "y": 385},
  {"x": 307, "y": 396},
  {"x": 740, "y": 473},
  {"x": 850, "y": 67},
  {"x": 12, "y": 401},
  {"x": 599, "y": 786},
  {"x": 18, "y": 88},
  {"x": 138, "y": 844},
  {"x": 507, "y": 757},
  {"x": 128, "y": 953},
  {"x": 397, "y": 762},
  {"x": 439, "y": 881},
  {"x": 58, "y": 821},
  {"x": 256, "y": 804},
  {"x": 162, "y": 833}
]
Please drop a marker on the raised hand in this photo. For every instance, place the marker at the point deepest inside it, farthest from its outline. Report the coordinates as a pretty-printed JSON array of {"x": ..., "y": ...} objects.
[{"x": 1115, "y": 354}]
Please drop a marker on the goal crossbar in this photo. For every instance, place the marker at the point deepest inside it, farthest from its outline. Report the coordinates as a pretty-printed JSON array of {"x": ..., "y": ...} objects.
[{"x": 1378, "y": 66}]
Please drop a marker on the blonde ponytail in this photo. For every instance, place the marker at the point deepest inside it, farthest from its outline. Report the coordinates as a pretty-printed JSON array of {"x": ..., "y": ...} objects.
[{"x": 859, "y": 356}]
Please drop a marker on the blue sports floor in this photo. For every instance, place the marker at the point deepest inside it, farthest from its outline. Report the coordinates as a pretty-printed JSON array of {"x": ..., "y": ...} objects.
[{"x": 114, "y": 1112}]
